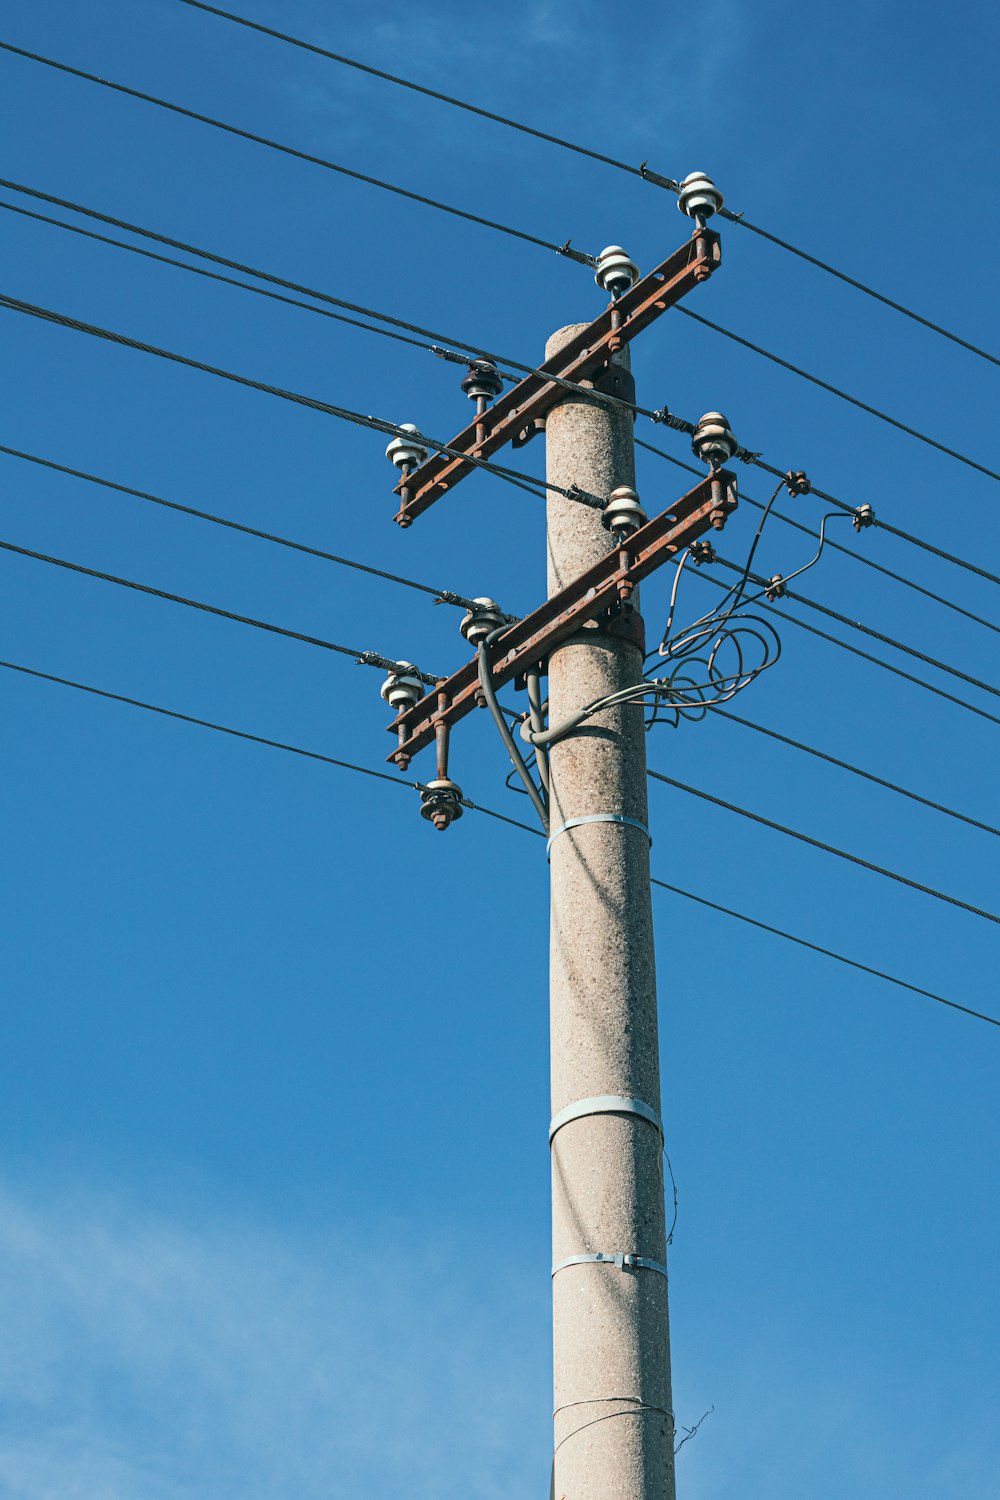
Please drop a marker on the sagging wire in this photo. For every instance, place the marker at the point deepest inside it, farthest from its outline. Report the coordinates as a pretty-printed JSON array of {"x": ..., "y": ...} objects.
[
  {"x": 728, "y": 626},
  {"x": 697, "y": 681}
]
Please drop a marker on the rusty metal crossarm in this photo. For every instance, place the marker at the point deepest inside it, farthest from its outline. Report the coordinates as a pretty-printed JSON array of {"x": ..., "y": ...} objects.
[
  {"x": 603, "y": 585},
  {"x": 520, "y": 409}
]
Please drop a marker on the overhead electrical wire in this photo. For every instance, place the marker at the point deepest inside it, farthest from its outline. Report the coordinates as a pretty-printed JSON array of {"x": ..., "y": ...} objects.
[
  {"x": 657, "y": 179},
  {"x": 364, "y": 658},
  {"x": 307, "y": 156},
  {"x": 857, "y": 557},
  {"x": 246, "y": 286},
  {"x": 846, "y": 765},
  {"x": 834, "y": 390},
  {"x": 877, "y": 661},
  {"x": 420, "y": 343},
  {"x": 537, "y": 487},
  {"x": 384, "y": 776},
  {"x": 449, "y": 596},
  {"x": 434, "y": 347},
  {"x": 445, "y": 595},
  {"x": 878, "y": 635},
  {"x": 805, "y": 838}
]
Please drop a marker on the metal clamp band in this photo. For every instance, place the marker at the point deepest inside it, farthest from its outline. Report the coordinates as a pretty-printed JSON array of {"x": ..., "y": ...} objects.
[
  {"x": 606, "y": 1104},
  {"x": 621, "y": 1262},
  {"x": 598, "y": 818}
]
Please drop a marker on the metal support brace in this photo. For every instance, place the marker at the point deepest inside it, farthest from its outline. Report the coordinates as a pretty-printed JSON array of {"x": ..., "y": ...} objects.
[
  {"x": 621, "y": 1262},
  {"x": 606, "y": 1104},
  {"x": 598, "y": 818}
]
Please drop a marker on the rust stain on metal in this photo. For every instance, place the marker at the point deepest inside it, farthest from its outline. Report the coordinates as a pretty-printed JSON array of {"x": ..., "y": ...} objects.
[
  {"x": 520, "y": 413},
  {"x": 601, "y": 587}
]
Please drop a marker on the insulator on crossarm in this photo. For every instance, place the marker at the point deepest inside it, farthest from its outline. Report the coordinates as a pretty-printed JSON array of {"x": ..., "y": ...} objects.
[
  {"x": 403, "y": 687},
  {"x": 441, "y": 803},
  {"x": 407, "y": 453},
  {"x": 713, "y": 440},
  {"x": 623, "y": 513},
  {"x": 616, "y": 272},
  {"x": 482, "y": 384},
  {"x": 699, "y": 198},
  {"x": 483, "y": 618}
]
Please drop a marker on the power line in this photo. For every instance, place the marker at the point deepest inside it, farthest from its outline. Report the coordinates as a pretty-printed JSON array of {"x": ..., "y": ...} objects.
[
  {"x": 449, "y": 596},
  {"x": 805, "y": 838},
  {"x": 429, "y": 340},
  {"x": 417, "y": 88},
  {"x": 236, "y": 265},
  {"x": 679, "y": 463},
  {"x": 318, "y": 161},
  {"x": 905, "y": 536},
  {"x": 842, "y": 395},
  {"x": 536, "y": 487},
  {"x": 878, "y": 635},
  {"x": 434, "y": 348},
  {"x": 364, "y": 658},
  {"x": 860, "y": 286},
  {"x": 259, "y": 291},
  {"x": 876, "y": 661},
  {"x": 383, "y": 776},
  {"x": 845, "y": 765},
  {"x": 816, "y": 948},
  {"x": 656, "y": 178},
  {"x": 267, "y": 536}
]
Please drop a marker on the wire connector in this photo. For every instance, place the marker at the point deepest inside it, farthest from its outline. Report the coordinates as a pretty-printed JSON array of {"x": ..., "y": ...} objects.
[
  {"x": 702, "y": 552},
  {"x": 775, "y": 588},
  {"x": 863, "y": 517},
  {"x": 797, "y": 483}
]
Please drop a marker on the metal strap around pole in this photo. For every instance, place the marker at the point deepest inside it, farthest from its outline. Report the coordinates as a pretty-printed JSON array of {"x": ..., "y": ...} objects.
[
  {"x": 606, "y": 1104},
  {"x": 620, "y": 1261},
  {"x": 598, "y": 818}
]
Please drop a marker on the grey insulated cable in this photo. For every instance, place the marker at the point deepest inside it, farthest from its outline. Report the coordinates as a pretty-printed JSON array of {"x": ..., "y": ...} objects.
[
  {"x": 486, "y": 685},
  {"x": 384, "y": 776}
]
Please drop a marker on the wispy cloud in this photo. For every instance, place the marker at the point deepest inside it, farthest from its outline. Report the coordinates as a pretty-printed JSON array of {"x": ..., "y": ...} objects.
[{"x": 149, "y": 1360}]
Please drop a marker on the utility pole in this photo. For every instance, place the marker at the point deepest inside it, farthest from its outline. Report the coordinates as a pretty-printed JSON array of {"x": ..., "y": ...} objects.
[
  {"x": 614, "y": 1429},
  {"x": 614, "y": 1423}
]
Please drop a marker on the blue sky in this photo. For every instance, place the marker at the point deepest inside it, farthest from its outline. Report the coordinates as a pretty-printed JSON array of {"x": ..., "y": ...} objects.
[{"x": 274, "y": 1185}]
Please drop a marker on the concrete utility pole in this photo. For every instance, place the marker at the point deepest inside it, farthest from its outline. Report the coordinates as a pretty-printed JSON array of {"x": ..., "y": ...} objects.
[{"x": 614, "y": 1428}]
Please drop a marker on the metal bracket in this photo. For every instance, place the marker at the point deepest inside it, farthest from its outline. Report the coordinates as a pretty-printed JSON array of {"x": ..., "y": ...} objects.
[
  {"x": 606, "y": 1104},
  {"x": 598, "y": 818},
  {"x": 606, "y": 583},
  {"x": 621, "y": 1262},
  {"x": 585, "y": 357}
]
